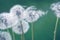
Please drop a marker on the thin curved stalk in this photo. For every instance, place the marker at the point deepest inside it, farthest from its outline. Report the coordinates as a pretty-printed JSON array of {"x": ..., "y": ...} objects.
[
  {"x": 55, "y": 30},
  {"x": 32, "y": 29}
]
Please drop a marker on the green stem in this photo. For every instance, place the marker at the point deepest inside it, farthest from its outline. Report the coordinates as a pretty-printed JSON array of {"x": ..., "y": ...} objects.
[
  {"x": 55, "y": 30},
  {"x": 13, "y": 35},
  {"x": 32, "y": 32},
  {"x": 22, "y": 35}
]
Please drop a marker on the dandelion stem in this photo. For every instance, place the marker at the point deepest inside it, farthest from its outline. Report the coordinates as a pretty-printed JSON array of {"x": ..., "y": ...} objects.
[
  {"x": 13, "y": 35},
  {"x": 55, "y": 30},
  {"x": 32, "y": 32},
  {"x": 22, "y": 35}
]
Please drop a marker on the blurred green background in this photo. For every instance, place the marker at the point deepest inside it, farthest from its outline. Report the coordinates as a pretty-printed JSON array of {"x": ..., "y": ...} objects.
[{"x": 44, "y": 27}]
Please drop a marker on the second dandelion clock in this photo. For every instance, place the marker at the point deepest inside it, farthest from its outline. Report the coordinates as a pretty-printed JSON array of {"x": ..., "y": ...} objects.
[
  {"x": 6, "y": 20},
  {"x": 17, "y": 10},
  {"x": 32, "y": 15},
  {"x": 56, "y": 8},
  {"x": 21, "y": 26}
]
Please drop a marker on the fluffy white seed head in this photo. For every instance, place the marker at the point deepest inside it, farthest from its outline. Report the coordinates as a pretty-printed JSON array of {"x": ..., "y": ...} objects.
[
  {"x": 22, "y": 25},
  {"x": 17, "y": 10},
  {"x": 56, "y": 8},
  {"x": 5, "y": 36},
  {"x": 7, "y": 20},
  {"x": 32, "y": 15},
  {"x": 53, "y": 6}
]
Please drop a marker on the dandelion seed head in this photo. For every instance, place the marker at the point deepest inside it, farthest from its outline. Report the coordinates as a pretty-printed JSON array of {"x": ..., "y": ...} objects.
[
  {"x": 56, "y": 8},
  {"x": 5, "y": 36},
  {"x": 17, "y": 10},
  {"x": 7, "y": 20},
  {"x": 18, "y": 27},
  {"x": 32, "y": 15},
  {"x": 53, "y": 6}
]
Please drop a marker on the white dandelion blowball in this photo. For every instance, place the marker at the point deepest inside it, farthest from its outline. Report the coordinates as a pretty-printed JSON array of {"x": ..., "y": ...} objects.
[
  {"x": 56, "y": 8},
  {"x": 17, "y": 10},
  {"x": 7, "y": 20},
  {"x": 21, "y": 26},
  {"x": 32, "y": 15},
  {"x": 5, "y": 36},
  {"x": 53, "y": 6}
]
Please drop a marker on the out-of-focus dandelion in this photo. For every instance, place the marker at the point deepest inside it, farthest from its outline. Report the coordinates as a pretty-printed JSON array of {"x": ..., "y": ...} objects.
[
  {"x": 56, "y": 8},
  {"x": 31, "y": 14},
  {"x": 6, "y": 20},
  {"x": 5, "y": 36},
  {"x": 17, "y": 10},
  {"x": 21, "y": 28},
  {"x": 18, "y": 27}
]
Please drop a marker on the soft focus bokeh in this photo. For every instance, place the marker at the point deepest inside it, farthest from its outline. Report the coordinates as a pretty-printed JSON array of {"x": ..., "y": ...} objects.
[{"x": 44, "y": 27}]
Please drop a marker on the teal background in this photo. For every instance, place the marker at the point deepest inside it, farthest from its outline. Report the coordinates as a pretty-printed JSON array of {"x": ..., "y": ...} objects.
[{"x": 44, "y": 27}]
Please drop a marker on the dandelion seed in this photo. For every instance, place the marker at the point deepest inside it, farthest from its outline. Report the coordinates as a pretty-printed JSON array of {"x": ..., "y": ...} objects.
[
  {"x": 7, "y": 20},
  {"x": 5, "y": 36},
  {"x": 18, "y": 27}
]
